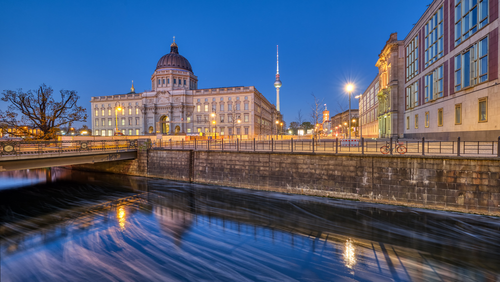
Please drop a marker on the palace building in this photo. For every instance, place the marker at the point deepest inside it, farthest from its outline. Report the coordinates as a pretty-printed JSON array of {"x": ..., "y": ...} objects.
[{"x": 175, "y": 106}]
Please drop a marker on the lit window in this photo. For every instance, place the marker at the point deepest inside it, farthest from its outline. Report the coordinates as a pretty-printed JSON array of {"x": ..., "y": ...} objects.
[
  {"x": 471, "y": 67},
  {"x": 96, "y": 113},
  {"x": 102, "y": 112},
  {"x": 470, "y": 16},
  {"x": 96, "y": 122},
  {"x": 434, "y": 38},
  {"x": 206, "y": 108},
  {"x": 188, "y": 119},
  {"x": 198, "y": 108},
  {"x": 129, "y": 111},
  {"x": 103, "y": 132},
  {"x": 130, "y": 132},
  {"x": 97, "y": 132},
  {"x": 434, "y": 84},
  {"x": 440, "y": 117},
  {"x": 458, "y": 114},
  {"x": 189, "y": 130},
  {"x": 426, "y": 119},
  {"x": 109, "y": 121},
  {"x": 136, "y": 111},
  {"x": 483, "y": 109},
  {"x": 110, "y": 132},
  {"x": 137, "y": 132},
  {"x": 123, "y": 121},
  {"x": 109, "y": 112},
  {"x": 412, "y": 59}
]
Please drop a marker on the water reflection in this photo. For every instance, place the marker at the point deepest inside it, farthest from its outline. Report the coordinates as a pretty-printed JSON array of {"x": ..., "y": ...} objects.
[
  {"x": 349, "y": 254},
  {"x": 105, "y": 227}
]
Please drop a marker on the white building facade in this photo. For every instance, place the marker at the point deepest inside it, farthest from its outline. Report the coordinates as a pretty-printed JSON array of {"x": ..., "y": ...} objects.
[{"x": 175, "y": 106}]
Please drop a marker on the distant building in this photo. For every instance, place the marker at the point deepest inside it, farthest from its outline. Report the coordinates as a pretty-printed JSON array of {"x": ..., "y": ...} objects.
[
  {"x": 368, "y": 110},
  {"x": 175, "y": 106},
  {"x": 340, "y": 124}
]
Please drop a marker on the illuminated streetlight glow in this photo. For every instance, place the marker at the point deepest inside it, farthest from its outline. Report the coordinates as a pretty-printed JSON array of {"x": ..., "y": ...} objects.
[{"x": 349, "y": 87}]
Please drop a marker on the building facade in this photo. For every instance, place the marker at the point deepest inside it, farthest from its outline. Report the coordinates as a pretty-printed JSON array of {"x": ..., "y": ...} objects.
[
  {"x": 175, "y": 106},
  {"x": 340, "y": 124},
  {"x": 368, "y": 110},
  {"x": 451, "y": 76},
  {"x": 390, "y": 95}
]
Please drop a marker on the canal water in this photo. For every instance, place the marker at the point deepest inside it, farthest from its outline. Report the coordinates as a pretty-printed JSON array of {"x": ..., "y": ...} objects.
[{"x": 78, "y": 226}]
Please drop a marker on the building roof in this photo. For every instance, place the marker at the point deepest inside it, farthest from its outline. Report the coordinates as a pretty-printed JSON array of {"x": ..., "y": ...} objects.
[{"x": 173, "y": 60}]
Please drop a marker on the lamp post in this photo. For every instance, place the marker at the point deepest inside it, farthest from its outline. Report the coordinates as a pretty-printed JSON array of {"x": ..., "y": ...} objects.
[
  {"x": 116, "y": 118},
  {"x": 215, "y": 129},
  {"x": 212, "y": 122},
  {"x": 349, "y": 87},
  {"x": 281, "y": 130},
  {"x": 360, "y": 118},
  {"x": 277, "y": 122},
  {"x": 239, "y": 121}
]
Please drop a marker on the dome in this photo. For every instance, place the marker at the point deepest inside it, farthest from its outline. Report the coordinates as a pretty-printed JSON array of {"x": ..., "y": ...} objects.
[{"x": 174, "y": 60}]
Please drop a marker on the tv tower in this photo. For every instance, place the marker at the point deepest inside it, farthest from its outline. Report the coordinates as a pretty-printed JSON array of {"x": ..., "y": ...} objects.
[{"x": 277, "y": 82}]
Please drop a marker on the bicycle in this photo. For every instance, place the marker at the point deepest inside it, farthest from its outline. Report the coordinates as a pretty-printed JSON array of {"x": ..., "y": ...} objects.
[{"x": 400, "y": 148}]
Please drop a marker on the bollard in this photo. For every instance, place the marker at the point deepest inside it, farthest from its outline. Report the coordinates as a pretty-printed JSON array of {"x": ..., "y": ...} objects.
[
  {"x": 182, "y": 144},
  {"x": 362, "y": 146},
  {"x": 313, "y": 144},
  {"x": 390, "y": 144},
  {"x": 222, "y": 144},
  {"x": 170, "y": 144},
  {"x": 291, "y": 143},
  {"x": 423, "y": 146},
  {"x": 458, "y": 146},
  {"x": 336, "y": 145},
  {"x": 254, "y": 144},
  {"x": 195, "y": 144},
  {"x": 237, "y": 144},
  {"x": 208, "y": 144},
  {"x": 272, "y": 145}
]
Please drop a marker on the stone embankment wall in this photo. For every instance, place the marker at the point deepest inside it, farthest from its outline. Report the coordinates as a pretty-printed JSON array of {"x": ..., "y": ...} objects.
[{"x": 452, "y": 183}]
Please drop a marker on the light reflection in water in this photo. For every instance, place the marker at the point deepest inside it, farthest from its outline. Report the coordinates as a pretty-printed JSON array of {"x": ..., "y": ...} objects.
[
  {"x": 121, "y": 214},
  {"x": 349, "y": 254}
]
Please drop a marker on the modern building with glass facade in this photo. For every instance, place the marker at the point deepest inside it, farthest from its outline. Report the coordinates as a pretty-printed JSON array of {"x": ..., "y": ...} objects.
[{"x": 175, "y": 106}]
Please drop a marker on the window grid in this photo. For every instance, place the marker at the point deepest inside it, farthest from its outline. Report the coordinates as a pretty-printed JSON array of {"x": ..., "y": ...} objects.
[
  {"x": 434, "y": 38},
  {"x": 426, "y": 119},
  {"x": 470, "y": 16},
  {"x": 412, "y": 95},
  {"x": 434, "y": 84},
  {"x": 471, "y": 66},
  {"x": 412, "y": 59}
]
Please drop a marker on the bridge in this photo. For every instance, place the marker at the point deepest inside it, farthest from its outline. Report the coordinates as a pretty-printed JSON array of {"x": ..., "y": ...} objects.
[{"x": 17, "y": 155}]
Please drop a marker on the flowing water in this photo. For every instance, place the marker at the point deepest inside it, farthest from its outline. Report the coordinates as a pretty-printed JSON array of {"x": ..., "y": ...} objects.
[{"x": 77, "y": 226}]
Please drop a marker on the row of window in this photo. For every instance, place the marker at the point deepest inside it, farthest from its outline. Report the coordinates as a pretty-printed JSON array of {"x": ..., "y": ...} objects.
[
  {"x": 471, "y": 68},
  {"x": 221, "y": 107},
  {"x": 109, "y": 105},
  {"x": 230, "y": 119},
  {"x": 222, "y": 99},
  {"x": 122, "y": 111},
  {"x": 109, "y": 122},
  {"x": 222, "y": 130},
  {"x": 109, "y": 132},
  {"x": 469, "y": 17},
  {"x": 482, "y": 114},
  {"x": 177, "y": 81}
]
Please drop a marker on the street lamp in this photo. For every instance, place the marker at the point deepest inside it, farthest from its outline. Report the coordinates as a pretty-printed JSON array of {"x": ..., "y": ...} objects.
[
  {"x": 239, "y": 121},
  {"x": 116, "y": 118},
  {"x": 359, "y": 118},
  {"x": 349, "y": 88},
  {"x": 277, "y": 122}
]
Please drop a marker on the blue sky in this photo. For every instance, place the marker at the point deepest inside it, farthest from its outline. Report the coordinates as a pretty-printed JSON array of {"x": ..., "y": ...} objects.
[{"x": 98, "y": 47}]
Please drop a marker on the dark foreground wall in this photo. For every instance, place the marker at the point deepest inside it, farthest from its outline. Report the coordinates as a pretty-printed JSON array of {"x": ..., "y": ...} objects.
[{"x": 434, "y": 182}]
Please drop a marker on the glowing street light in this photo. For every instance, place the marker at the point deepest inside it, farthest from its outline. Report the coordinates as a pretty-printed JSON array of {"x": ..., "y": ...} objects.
[
  {"x": 349, "y": 88},
  {"x": 116, "y": 117}
]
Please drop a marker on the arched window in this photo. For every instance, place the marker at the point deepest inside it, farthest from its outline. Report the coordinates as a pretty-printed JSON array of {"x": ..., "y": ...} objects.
[{"x": 165, "y": 124}]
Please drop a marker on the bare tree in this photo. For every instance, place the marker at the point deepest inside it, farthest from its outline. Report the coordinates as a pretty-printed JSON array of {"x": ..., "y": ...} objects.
[
  {"x": 38, "y": 109},
  {"x": 316, "y": 109},
  {"x": 300, "y": 118}
]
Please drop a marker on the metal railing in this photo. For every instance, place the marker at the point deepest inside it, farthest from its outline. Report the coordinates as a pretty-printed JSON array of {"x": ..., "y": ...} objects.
[
  {"x": 16, "y": 148},
  {"x": 336, "y": 146}
]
